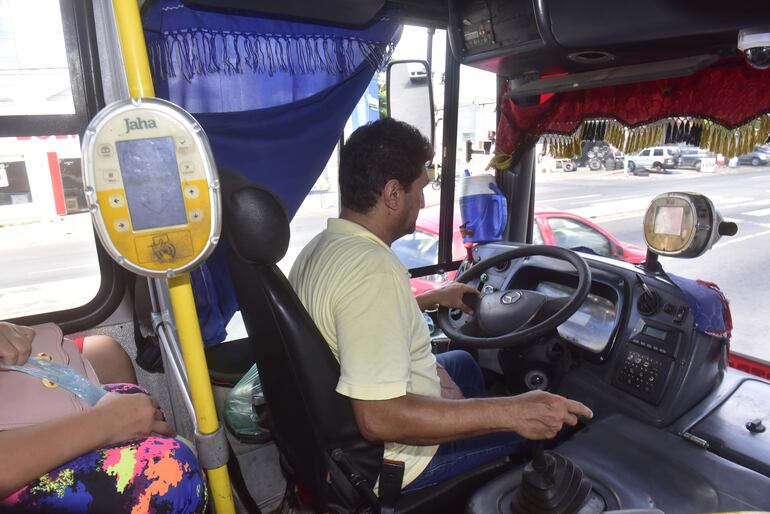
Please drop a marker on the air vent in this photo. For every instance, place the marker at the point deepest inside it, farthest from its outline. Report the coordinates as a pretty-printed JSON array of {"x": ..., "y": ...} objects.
[{"x": 648, "y": 303}]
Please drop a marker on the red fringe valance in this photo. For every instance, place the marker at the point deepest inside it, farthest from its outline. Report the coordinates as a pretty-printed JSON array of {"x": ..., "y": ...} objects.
[{"x": 724, "y": 108}]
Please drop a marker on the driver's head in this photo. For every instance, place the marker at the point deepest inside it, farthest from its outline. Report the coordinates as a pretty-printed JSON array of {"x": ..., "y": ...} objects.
[{"x": 377, "y": 154}]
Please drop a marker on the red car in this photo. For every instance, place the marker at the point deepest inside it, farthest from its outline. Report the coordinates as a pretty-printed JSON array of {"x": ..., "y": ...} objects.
[{"x": 551, "y": 228}]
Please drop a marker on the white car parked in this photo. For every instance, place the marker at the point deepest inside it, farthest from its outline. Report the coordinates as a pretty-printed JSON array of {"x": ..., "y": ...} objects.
[
  {"x": 656, "y": 158},
  {"x": 417, "y": 72}
]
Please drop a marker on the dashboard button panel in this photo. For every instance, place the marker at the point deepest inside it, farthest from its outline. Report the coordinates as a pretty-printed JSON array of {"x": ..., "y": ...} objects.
[{"x": 643, "y": 374}]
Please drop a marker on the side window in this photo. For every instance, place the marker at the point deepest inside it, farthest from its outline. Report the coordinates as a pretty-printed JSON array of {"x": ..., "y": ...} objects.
[
  {"x": 570, "y": 233},
  {"x": 48, "y": 255},
  {"x": 658, "y": 152},
  {"x": 417, "y": 249},
  {"x": 476, "y": 125},
  {"x": 35, "y": 77},
  {"x": 645, "y": 153},
  {"x": 424, "y": 242},
  {"x": 323, "y": 200}
]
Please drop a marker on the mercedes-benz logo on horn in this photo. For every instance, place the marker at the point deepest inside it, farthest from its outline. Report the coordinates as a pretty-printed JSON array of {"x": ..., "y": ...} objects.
[{"x": 510, "y": 298}]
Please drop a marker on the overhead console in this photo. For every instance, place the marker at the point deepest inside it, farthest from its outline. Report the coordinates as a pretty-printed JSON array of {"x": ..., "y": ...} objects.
[{"x": 516, "y": 38}]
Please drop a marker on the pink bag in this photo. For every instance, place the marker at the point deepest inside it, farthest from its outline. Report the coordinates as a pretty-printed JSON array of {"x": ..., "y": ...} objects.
[{"x": 26, "y": 400}]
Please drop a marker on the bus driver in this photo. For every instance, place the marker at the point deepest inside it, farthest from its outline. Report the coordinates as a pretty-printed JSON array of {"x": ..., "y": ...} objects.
[{"x": 358, "y": 293}]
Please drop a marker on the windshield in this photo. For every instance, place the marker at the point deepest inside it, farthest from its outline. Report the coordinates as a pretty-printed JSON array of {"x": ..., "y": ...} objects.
[{"x": 613, "y": 198}]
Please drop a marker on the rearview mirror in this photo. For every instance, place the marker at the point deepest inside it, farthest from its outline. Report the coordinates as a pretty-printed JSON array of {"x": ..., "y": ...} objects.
[
  {"x": 684, "y": 225},
  {"x": 410, "y": 95}
]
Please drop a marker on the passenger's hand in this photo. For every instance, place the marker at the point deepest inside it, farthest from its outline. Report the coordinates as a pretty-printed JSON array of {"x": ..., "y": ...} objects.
[
  {"x": 130, "y": 416},
  {"x": 15, "y": 343},
  {"x": 450, "y": 296},
  {"x": 541, "y": 415}
]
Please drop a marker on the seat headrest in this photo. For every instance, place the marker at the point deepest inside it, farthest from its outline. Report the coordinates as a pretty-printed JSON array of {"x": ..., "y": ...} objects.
[{"x": 254, "y": 220}]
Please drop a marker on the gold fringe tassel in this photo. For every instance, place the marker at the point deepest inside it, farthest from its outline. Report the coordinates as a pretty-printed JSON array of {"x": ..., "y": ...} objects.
[
  {"x": 714, "y": 137},
  {"x": 500, "y": 161}
]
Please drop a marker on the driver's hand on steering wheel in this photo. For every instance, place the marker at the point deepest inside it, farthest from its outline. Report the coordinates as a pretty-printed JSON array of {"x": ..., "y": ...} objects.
[
  {"x": 449, "y": 295},
  {"x": 541, "y": 415}
]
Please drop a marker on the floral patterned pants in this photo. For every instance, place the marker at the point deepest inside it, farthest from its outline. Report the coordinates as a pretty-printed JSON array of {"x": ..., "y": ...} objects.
[{"x": 156, "y": 474}]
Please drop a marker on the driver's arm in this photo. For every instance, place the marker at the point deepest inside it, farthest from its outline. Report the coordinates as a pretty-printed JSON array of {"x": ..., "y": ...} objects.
[
  {"x": 450, "y": 295},
  {"x": 376, "y": 356},
  {"x": 421, "y": 420}
]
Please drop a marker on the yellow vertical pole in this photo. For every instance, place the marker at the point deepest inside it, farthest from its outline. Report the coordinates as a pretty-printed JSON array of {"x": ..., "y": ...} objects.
[
  {"x": 140, "y": 85},
  {"x": 133, "y": 48},
  {"x": 191, "y": 343}
]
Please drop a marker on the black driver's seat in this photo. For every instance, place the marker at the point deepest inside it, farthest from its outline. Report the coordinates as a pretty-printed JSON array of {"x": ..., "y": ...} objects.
[{"x": 321, "y": 448}]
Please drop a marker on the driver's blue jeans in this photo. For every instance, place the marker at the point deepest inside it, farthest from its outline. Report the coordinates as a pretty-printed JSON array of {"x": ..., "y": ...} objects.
[{"x": 457, "y": 457}]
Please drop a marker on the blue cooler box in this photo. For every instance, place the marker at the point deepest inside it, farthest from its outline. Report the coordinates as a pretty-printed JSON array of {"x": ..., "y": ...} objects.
[{"x": 483, "y": 209}]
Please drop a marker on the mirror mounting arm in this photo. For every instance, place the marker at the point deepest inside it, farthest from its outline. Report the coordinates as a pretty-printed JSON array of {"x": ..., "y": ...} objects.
[{"x": 651, "y": 263}]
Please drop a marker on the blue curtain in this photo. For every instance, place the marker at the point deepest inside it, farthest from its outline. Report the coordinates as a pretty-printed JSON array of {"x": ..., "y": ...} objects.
[{"x": 273, "y": 97}]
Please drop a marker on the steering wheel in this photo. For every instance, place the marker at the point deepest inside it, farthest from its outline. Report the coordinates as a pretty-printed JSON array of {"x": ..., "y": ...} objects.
[{"x": 516, "y": 316}]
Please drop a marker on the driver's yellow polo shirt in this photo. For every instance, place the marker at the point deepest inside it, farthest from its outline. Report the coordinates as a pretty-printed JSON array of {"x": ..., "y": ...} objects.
[{"x": 357, "y": 292}]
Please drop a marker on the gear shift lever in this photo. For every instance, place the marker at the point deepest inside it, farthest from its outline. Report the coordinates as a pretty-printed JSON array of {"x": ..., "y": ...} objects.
[{"x": 550, "y": 484}]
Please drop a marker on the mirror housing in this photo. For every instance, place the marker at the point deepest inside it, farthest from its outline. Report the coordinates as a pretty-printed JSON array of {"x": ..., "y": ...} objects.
[
  {"x": 684, "y": 225},
  {"x": 409, "y": 89}
]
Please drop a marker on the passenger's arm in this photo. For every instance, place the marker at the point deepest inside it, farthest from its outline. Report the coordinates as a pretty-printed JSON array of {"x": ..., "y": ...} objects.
[
  {"x": 420, "y": 420},
  {"x": 27, "y": 453},
  {"x": 450, "y": 295}
]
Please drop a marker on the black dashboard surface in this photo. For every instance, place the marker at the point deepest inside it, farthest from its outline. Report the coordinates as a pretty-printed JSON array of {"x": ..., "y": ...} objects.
[{"x": 633, "y": 339}]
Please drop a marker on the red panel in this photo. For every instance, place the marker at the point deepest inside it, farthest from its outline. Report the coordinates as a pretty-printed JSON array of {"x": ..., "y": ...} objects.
[
  {"x": 56, "y": 184},
  {"x": 755, "y": 367}
]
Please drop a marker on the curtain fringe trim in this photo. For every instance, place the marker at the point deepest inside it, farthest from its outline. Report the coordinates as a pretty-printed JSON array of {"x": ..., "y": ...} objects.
[
  {"x": 700, "y": 132},
  {"x": 196, "y": 52}
]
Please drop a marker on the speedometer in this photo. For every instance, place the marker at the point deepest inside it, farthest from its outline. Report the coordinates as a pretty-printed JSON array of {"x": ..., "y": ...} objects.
[{"x": 591, "y": 326}]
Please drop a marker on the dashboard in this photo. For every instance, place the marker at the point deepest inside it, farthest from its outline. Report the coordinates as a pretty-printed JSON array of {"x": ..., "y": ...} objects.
[{"x": 634, "y": 344}]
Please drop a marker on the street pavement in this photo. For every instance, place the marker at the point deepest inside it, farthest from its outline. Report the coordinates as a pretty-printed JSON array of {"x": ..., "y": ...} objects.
[{"x": 47, "y": 265}]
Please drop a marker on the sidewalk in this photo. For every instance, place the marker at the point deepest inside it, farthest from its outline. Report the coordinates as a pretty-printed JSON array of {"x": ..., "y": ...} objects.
[{"x": 75, "y": 229}]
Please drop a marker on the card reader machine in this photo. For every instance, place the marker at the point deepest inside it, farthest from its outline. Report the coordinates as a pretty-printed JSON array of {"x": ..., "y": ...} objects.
[{"x": 151, "y": 185}]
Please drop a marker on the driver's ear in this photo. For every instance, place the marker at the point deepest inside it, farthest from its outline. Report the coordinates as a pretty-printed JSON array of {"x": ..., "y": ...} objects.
[{"x": 392, "y": 194}]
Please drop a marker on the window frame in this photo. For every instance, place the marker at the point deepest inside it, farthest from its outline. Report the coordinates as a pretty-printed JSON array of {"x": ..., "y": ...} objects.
[{"x": 79, "y": 30}]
